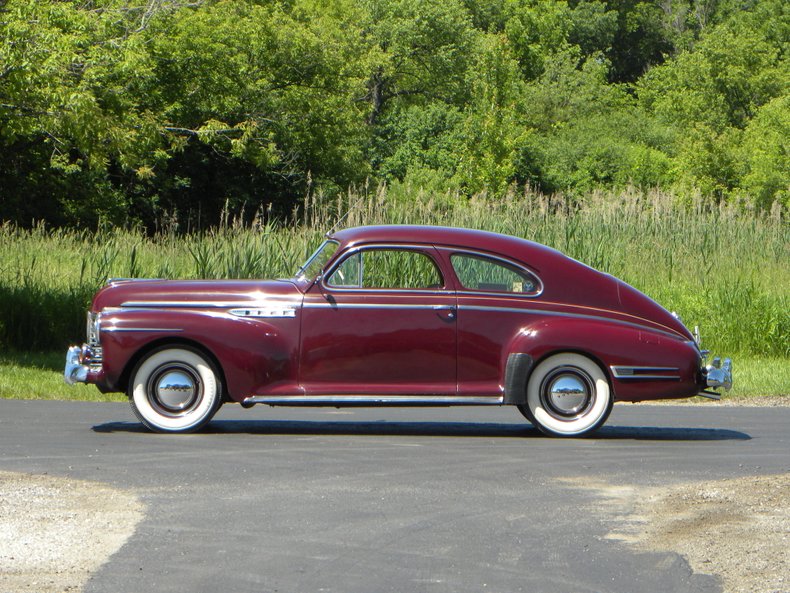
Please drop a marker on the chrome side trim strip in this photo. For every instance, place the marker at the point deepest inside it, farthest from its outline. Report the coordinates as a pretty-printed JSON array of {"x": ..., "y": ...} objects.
[
  {"x": 533, "y": 311},
  {"x": 434, "y": 307},
  {"x": 140, "y": 329},
  {"x": 372, "y": 399},
  {"x": 462, "y": 308},
  {"x": 635, "y": 373},
  {"x": 641, "y": 321},
  {"x": 267, "y": 313},
  {"x": 650, "y": 378},
  {"x": 205, "y": 304},
  {"x": 386, "y": 291}
]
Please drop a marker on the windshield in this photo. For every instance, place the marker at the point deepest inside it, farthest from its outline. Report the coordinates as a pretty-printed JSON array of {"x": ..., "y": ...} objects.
[{"x": 316, "y": 262}]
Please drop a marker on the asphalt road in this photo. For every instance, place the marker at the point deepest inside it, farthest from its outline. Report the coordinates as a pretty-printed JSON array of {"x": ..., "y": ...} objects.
[{"x": 449, "y": 500}]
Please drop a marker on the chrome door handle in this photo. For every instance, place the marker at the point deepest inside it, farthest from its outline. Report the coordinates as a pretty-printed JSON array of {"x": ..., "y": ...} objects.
[{"x": 449, "y": 309}]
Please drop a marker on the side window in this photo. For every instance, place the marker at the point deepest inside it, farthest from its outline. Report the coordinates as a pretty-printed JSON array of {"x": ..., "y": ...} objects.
[
  {"x": 349, "y": 273},
  {"x": 477, "y": 272},
  {"x": 387, "y": 268}
]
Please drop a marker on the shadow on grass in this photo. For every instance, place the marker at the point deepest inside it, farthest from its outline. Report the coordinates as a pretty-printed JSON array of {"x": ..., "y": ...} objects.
[{"x": 435, "y": 429}]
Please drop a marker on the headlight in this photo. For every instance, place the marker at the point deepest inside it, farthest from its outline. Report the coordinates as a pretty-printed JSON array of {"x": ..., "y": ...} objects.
[{"x": 94, "y": 322}]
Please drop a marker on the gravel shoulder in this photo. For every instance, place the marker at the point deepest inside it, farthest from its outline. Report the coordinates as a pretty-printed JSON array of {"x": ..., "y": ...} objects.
[
  {"x": 56, "y": 532},
  {"x": 737, "y": 529}
]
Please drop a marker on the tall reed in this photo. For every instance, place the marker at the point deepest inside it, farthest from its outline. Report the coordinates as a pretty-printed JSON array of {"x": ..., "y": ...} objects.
[{"x": 719, "y": 267}]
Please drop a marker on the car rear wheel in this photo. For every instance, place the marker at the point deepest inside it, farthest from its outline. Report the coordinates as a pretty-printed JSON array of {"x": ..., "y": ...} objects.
[
  {"x": 567, "y": 395},
  {"x": 175, "y": 390}
]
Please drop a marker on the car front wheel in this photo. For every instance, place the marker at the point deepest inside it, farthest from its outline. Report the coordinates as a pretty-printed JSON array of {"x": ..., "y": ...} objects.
[
  {"x": 567, "y": 395},
  {"x": 175, "y": 390}
]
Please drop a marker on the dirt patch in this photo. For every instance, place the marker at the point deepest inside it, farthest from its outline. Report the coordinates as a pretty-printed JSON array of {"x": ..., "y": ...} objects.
[
  {"x": 736, "y": 529},
  {"x": 56, "y": 532},
  {"x": 759, "y": 401}
]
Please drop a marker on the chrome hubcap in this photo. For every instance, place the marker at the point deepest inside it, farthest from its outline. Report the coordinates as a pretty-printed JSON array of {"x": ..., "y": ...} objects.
[
  {"x": 174, "y": 389},
  {"x": 567, "y": 393}
]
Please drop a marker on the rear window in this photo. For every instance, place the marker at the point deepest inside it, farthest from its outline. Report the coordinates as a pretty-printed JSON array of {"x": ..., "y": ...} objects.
[{"x": 478, "y": 272}]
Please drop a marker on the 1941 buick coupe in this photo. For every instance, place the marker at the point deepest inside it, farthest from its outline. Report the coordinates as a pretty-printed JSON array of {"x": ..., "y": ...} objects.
[{"x": 398, "y": 316}]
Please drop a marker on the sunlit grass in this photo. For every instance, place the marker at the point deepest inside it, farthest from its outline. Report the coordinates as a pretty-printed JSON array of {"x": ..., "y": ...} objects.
[
  {"x": 32, "y": 375},
  {"x": 760, "y": 375}
]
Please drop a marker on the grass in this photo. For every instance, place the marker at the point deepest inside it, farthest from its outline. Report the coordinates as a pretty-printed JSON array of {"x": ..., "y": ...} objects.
[
  {"x": 27, "y": 375},
  {"x": 720, "y": 267},
  {"x": 36, "y": 375}
]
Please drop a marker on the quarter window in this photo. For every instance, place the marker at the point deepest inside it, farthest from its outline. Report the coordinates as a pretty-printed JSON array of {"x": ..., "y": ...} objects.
[
  {"x": 476, "y": 272},
  {"x": 387, "y": 268}
]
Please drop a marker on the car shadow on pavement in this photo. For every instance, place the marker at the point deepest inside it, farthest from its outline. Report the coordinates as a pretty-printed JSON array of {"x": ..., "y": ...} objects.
[
  {"x": 674, "y": 433},
  {"x": 435, "y": 429}
]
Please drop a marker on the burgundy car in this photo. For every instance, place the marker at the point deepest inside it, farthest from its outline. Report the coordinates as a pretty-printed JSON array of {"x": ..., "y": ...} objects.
[{"x": 394, "y": 316}]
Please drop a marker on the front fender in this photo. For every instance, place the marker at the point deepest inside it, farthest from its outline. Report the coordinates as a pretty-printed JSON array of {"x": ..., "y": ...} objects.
[{"x": 251, "y": 352}]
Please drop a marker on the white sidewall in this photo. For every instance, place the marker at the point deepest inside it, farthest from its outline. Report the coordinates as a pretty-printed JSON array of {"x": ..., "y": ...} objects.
[
  {"x": 579, "y": 425},
  {"x": 195, "y": 417}
]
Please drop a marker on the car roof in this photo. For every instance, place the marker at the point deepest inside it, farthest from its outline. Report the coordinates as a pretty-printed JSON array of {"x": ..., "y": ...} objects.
[
  {"x": 448, "y": 236},
  {"x": 564, "y": 279}
]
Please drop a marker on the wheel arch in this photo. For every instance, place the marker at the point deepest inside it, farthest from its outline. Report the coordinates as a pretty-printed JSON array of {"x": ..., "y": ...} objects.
[
  {"x": 167, "y": 342},
  {"x": 520, "y": 366}
]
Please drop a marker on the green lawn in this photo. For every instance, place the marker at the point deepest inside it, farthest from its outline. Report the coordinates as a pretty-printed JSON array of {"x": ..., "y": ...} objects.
[
  {"x": 40, "y": 376},
  {"x": 28, "y": 375}
]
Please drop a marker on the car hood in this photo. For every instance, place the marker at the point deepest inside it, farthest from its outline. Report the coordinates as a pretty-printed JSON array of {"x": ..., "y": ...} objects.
[{"x": 193, "y": 293}]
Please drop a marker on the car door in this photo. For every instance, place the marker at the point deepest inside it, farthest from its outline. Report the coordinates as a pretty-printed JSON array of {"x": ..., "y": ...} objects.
[
  {"x": 494, "y": 298},
  {"x": 381, "y": 321}
]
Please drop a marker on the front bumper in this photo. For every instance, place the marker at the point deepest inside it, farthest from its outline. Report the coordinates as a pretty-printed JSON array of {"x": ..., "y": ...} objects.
[{"x": 82, "y": 363}]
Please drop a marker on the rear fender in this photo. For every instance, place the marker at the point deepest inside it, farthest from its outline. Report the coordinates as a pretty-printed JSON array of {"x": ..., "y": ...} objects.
[{"x": 614, "y": 345}]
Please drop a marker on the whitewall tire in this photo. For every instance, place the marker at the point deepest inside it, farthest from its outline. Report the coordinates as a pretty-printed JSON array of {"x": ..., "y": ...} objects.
[
  {"x": 567, "y": 395},
  {"x": 175, "y": 389}
]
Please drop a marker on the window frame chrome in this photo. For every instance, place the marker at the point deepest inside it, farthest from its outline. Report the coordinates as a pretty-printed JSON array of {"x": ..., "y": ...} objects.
[
  {"x": 351, "y": 251},
  {"x": 300, "y": 273},
  {"x": 482, "y": 254}
]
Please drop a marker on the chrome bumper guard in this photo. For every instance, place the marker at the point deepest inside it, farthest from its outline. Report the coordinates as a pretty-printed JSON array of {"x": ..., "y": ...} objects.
[
  {"x": 717, "y": 374},
  {"x": 79, "y": 361}
]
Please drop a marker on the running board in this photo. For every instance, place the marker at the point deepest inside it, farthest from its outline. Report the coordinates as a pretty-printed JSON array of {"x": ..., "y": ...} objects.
[{"x": 372, "y": 400}]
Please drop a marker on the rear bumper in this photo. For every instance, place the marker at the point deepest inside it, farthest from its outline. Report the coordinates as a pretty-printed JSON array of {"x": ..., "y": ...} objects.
[
  {"x": 718, "y": 374},
  {"x": 715, "y": 375}
]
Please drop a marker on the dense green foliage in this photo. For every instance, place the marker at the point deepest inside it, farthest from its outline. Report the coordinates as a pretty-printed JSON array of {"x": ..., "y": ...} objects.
[
  {"x": 701, "y": 263},
  {"x": 144, "y": 111}
]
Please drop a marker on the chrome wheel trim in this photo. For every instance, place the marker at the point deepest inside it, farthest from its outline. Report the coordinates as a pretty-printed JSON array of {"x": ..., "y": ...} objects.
[
  {"x": 557, "y": 419},
  {"x": 175, "y": 411},
  {"x": 174, "y": 389},
  {"x": 567, "y": 393}
]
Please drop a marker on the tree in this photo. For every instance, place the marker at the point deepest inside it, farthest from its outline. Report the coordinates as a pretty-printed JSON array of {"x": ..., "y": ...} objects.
[
  {"x": 710, "y": 94},
  {"x": 419, "y": 52},
  {"x": 765, "y": 150},
  {"x": 114, "y": 91}
]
